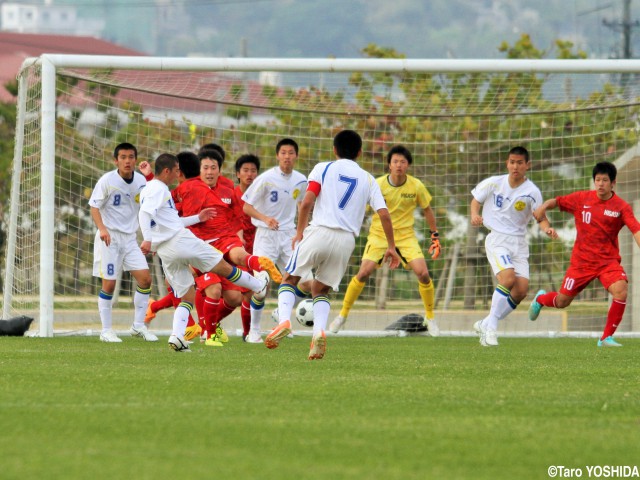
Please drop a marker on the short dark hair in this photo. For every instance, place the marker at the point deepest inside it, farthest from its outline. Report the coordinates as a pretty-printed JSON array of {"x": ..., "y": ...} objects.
[
  {"x": 189, "y": 164},
  {"x": 247, "y": 158},
  {"x": 165, "y": 160},
  {"x": 347, "y": 144},
  {"x": 605, "y": 168},
  {"x": 287, "y": 141},
  {"x": 520, "y": 150},
  {"x": 211, "y": 154},
  {"x": 399, "y": 150},
  {"x": 124, "y": 146},
  {"x": 213, "y": 146}
]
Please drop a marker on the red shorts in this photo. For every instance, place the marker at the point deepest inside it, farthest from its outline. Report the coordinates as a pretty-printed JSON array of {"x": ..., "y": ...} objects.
[
  {"x": 225, "y": 244},
  {"x": 577, "y": 278},
  {"x": 206, "y": 280}
]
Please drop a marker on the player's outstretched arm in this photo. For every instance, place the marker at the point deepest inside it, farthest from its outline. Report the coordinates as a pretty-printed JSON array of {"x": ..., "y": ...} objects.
[
  {"x": 304, "y": 212},
  {"x": 97, "y": 219},
  {"x": 434, "y": 246},
  {"x": 145, "y": 169},
  {"x": 540, "y": 213},
  {"x": 250, "y": 210},
  {"x": 390, "y": 255},
  {"x": 476, "y": 218}
]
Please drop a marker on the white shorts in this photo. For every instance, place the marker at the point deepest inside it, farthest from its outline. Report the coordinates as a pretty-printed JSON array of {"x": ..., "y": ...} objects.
[
  {"x": 274, "y": 244},
  {"x": 323, "y": 252},
  {"x": 123, "y": 253},
  {"x": 182, "y": 251},
  {"x": 507, "y": 251}
]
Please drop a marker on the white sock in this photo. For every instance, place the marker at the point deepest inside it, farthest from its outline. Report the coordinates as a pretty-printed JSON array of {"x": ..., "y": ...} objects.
[
  {"x": 286, "y": 301},
  {"x": 321, "y": 309},
  {"x": 501, "y": 306},
  {"x": 140, "y": 303},
  {"x": 105, "y": 309},
  {"x": 244, "y": 280},
  {"x": 256, "y": 318},
  {"x": 180, "y": 319}
]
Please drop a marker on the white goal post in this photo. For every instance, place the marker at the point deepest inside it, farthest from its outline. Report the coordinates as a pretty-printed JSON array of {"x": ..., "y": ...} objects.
[{"x": 459, "y": 117}]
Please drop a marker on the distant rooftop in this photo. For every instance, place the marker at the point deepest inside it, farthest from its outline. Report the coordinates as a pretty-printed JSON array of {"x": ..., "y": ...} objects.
[{"x": 16, "y": 47}]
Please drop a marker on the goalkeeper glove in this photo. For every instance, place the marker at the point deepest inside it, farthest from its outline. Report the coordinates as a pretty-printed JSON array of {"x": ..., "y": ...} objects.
[{"x": 434, "y": 249}]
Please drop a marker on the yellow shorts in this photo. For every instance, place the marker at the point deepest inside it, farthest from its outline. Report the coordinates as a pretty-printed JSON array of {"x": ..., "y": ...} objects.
[{"x": 408, "y": 248}]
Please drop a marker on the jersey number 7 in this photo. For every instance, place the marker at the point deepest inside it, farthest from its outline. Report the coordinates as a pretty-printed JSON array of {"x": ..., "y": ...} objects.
[{"x": 352, "y": 183}]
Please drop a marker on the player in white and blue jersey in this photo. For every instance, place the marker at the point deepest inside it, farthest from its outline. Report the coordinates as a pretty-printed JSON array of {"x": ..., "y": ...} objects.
[
  {"x": 114, "y": 206},
  {"x": 338, "y": 193},
  {"x": 272, "y": 201}
]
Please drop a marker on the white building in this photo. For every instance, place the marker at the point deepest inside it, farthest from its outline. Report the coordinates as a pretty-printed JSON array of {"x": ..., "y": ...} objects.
[{"x": 47, "y": 19}]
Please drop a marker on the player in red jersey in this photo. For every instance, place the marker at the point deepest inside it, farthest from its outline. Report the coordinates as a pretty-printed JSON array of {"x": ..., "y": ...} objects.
[
  {"x": 247, "y": 169},
  {"x": 599, "y": 215},
  {"x": 221, "y": 231}
]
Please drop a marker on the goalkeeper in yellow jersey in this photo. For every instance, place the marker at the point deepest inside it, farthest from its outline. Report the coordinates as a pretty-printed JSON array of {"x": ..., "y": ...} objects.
[{"x": 403, "y": 194}]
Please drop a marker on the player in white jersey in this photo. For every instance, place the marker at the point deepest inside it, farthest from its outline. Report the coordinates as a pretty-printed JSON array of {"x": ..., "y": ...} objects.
[
  {"x": 338, "y": 193},
  {"x": 272, "y": 201},
  {"x": 165, "y": 232},
  {"x": 507, "y": 203},
  {"x": 114, "y": 206}
]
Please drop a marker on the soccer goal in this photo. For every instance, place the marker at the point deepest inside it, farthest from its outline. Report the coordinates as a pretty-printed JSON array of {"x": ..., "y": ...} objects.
[{"x": 459, "y": 118}]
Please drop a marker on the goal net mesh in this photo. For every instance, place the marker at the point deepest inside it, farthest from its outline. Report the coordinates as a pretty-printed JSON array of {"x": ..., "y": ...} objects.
[{"x": 459, "y": 128}]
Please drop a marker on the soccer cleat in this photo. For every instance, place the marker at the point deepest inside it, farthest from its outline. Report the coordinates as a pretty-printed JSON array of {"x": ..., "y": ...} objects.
[
  {"x": 535, "y": 307},
  {"x": 192, "y": 332},
  {"x": 253, "y": 337},
  {"x": 277, "y": 334},
  {"x": 490, "y": 338},
  {"x": 109, "y": 336},
  {"x": 213, "y": 341},
  {"x": 150, "y": 315},
  {"x": 143, "y": 333},
  {"x": 178, "y": 344},
  {"x": 318, "y": 346},
  {"x": 270, "y": 267},
  {"x": 432, "y": 327},
  {"x": 221, "y": 334},
  {"x": 477, "y": 327},
  {"x": 337, "y": 324},
  {"x": 262, "y": 293},
  {"x": 608, "y": 342}
]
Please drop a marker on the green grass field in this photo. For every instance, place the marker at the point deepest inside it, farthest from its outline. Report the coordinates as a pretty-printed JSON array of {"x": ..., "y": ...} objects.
[{"x": 378, "y": 408}]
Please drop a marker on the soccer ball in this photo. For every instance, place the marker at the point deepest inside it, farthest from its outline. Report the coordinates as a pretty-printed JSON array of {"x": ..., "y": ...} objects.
[{"x": 304, "y": 312}]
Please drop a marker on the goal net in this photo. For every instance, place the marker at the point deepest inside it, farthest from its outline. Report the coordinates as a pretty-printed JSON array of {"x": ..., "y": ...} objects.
[{"x": 458, "y": 118}]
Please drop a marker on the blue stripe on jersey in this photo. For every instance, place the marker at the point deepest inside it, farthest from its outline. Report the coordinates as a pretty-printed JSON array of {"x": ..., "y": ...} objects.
[{"x": 325, "y": 170}]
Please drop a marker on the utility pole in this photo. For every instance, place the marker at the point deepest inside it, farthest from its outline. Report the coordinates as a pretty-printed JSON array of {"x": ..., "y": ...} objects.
[{"x": 625, "y": 26}]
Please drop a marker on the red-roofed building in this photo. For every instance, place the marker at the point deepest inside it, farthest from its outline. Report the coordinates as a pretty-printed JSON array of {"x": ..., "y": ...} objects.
[{"x": 16, "y": 47}]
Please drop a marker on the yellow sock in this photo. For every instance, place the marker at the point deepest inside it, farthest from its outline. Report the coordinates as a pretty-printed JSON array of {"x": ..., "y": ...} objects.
[
  {"x": 427, "y": 293},
  {"x": 353, "y": 292}
]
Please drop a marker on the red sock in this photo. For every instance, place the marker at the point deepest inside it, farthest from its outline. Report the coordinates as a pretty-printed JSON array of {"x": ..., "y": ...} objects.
[
  {"x": 245, "y": 314},
  {"x": 164, "y": 302},
  {"x": 253, "y": 262},
  {"x": 548, "y": 299},
  {"x": 614, "y": 317},
  {"x": 224, "y": 310},
  {"x": 211, "y": 314},
  {"x": 200, "y": 309}
]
